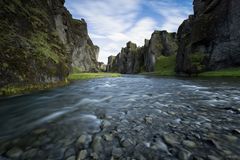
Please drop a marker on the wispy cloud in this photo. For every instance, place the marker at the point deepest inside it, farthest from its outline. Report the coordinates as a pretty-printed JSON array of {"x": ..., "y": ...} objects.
[
  {"x": 173, "y": 12},
  {"x": 112, "y": 23}
]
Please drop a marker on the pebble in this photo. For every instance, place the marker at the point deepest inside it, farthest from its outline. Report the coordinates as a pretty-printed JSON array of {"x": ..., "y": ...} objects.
[
  {"x": 170, "y": 139},
  {"x": 30, "y": 153},
  {"x": 159, "y": 145},
  {"x": 108, "y": 137},
  {"x": 71, "y": 158},
  {"x": 148, "y": 119},
  {"x": 105, "y": 124},
  {"x": 69, "y": 152},
  {"x": 14, "y": 152},
  {"x": 97, "y": 144},
  {"x": 231, "y": 138},
  {"x": 189, "y": 144},
  {"x": 117, "y": 152},
  {"x": 127, "y": 142},
  {"x": 138, "y": 128},
  {"x": 40, "y": 131},
  {"x": 82, "y": 154},
  {"x": 184, "y": 155},
  {"x": 177, "y": 120},
  {"x": 84, "y": 140},
  {"x": 211, "y": 157},
  {"x": 94, "y": 155}
]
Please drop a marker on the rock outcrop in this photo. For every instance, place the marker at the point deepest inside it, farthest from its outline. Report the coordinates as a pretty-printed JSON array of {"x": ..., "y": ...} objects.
[
  {"x": 84, "y": 52},
  {"x": 210, "y": 39},
  {"x": 133, "y": 59},
  {"x": 129, "y": 60},
  {"x": 40, "y": 42},
  {"x": 161, "y": 43}
]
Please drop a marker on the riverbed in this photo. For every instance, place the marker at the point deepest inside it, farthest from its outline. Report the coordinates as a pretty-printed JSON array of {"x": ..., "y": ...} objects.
[{"x": 130, "y": 117}]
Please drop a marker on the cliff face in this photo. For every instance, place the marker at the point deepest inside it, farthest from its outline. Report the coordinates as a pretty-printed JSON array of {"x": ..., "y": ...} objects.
[
  {"x": 209, "y": 39},
  {"x": 39, "y": 42},
  {"x": 84, "y": 52},
  {"x": 161, "y": 43},
  {"x": 129, "y": 60},
  {"x": 133, "y": 59}
]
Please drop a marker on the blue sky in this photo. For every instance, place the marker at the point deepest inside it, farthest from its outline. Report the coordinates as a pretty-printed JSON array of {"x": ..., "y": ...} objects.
[{"x": 112, "y": 23}]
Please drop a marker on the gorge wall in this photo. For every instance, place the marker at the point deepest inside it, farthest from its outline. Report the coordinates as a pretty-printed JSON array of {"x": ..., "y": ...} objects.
[
  {"x": 133, "y": 59},
  {"x": 41, "y": 42},
  {"x": 210, "y": 39}
]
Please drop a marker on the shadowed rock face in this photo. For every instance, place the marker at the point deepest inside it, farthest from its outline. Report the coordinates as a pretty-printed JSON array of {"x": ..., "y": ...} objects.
[
  {"x": 133, "y": 59},
  {"x": 40, "y": 41},
  {"x": 209, "y": 39}
]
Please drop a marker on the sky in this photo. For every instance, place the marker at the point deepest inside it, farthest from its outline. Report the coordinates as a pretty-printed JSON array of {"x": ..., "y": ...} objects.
[{"x": 112, "y": 23}]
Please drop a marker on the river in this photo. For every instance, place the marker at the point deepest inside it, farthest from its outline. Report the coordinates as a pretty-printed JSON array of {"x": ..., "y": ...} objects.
[{"x": 130, "y": 117}]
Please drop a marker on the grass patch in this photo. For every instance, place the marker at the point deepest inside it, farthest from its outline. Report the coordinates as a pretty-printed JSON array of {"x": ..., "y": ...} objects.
[
  {"x": 230, "y": 72},
  {"x": 196, "y": 61},
  {"x": 165, "y": 66},
  {"x": 28, "y": 88},
  {"x": 82, "y": 76}
]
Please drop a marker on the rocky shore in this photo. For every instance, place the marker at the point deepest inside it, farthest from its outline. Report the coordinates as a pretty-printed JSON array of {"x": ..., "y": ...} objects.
[{"x": 166, "y": 132}]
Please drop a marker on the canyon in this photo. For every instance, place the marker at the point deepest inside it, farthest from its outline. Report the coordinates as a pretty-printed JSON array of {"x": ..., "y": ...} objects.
[
  {"x": 128, "y": 117},
  {"x": 207, "y": 41}
]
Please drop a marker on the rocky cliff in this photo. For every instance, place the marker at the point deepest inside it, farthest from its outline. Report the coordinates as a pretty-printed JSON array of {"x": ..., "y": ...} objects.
[
  {"x": 161, "y": 43},
  {"x": 41, "y": 42},
  {"x": 129, "y": 60},
  {"x": 133, "y": 59},
  {"x": 210, "y": 39}
]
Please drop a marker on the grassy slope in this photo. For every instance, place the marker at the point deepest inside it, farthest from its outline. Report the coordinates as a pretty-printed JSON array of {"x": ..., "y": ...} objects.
[
  {"x": 165, "y": 66},
  {"x": 230, "y": 72},
  {"x": 82, "y": 76},
  {"x": 28, "y": 88}
]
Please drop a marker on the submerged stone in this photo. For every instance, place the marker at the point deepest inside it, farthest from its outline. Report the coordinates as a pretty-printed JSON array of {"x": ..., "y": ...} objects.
[{"x": 14, "y": 152}]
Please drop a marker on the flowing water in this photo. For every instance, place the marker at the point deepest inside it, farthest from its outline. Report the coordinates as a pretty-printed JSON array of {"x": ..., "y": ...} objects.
[{"x": 131, "y": 117}]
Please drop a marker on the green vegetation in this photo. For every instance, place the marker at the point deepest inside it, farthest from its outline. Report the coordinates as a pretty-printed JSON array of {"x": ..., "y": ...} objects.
[
  {"x": 196, "y": 61},
  {"x": 82, "y": 76},
  {"x": 165, "y": 66},
  {"x": 28, "y": 88},
  {"x": 43, "y": 48},
  {"x": 30, "y": 47},
  {"x": 230, "y": 72},
  {"x": 77, "y": 69}
]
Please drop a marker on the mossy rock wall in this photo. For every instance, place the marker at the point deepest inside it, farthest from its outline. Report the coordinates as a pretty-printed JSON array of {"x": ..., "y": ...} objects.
[
  {"x": 213, "y": 31},
  {"x": 133, "y": 59},
  {"x": 37, "y": 40}
]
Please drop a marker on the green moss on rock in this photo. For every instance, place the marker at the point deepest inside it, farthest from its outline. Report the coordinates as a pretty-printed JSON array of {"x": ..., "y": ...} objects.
[
  {"x": 197, "y": 61},
  {"x": 30, "y": 48},
  {"x": 164, "y": 66}
]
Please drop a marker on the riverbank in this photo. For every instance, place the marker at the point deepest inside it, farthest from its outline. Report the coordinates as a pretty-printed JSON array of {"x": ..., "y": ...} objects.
[
  {"x": 230, "y": 72},
  {"x": 19, "y": 89},
  {"x": 83, "y": 76},
  {"x": 165, "y": 66}
]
